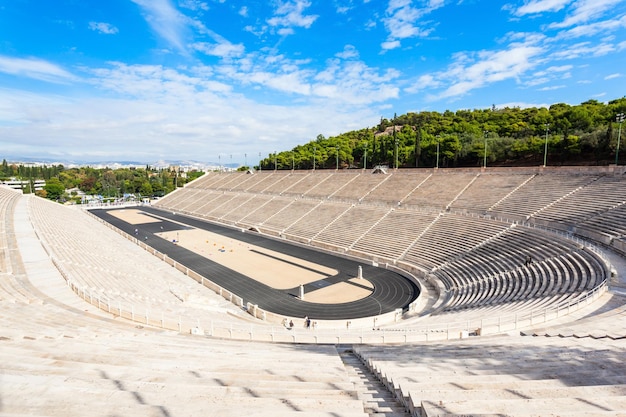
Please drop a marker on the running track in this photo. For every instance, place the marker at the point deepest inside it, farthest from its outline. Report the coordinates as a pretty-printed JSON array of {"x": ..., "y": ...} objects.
[{"x": 391, "y": 290}]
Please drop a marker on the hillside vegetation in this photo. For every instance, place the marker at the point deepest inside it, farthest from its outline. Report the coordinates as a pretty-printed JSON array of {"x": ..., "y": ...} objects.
[
  {"x": 104, "y": 182},
  {"x": 584, "y": 134}
]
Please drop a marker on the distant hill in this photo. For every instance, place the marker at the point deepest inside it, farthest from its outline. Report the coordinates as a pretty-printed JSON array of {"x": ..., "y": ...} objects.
[{"x": 562, "y": 134}]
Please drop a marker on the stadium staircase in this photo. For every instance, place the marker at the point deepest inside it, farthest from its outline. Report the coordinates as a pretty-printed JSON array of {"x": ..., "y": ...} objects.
[{"x": 378, "y": 401}]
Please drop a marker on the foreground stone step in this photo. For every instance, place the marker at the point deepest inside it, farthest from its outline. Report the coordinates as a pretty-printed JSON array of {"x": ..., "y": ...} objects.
[{"x": 528, "y": 407}]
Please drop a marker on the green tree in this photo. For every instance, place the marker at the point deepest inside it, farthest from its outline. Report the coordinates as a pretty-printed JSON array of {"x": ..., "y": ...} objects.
[
  {"x": 146, "y": 189},
  {"x": 5, "y": 171},
  {"x": 54, "y": 189}
]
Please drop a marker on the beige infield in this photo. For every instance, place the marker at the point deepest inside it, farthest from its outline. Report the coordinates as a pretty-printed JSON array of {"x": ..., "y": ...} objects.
[
  {"x": 133, "y": 216},
  {"x": 273, "y": 269}
]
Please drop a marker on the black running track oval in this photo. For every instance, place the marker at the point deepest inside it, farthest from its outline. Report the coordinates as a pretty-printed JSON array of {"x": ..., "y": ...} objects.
[{"x": 391, "y": 290}]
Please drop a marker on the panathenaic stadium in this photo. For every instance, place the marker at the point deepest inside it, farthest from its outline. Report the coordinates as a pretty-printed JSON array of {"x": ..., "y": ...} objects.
[{"x": 423, "y": 292}]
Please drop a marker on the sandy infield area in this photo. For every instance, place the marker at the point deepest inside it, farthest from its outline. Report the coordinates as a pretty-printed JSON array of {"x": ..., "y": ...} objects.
[
  {"x": 133, "y": 216},
  {"x": 271, "y": 268}
]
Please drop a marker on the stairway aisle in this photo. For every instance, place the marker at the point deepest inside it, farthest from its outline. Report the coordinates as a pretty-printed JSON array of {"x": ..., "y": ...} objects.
[{"x": 377, "y": 400}]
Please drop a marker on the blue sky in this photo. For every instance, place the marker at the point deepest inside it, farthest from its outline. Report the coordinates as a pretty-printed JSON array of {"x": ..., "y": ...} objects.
[{"x": 203, "y": 80}]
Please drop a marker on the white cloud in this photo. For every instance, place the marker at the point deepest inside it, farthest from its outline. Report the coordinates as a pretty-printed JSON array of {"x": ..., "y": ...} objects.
[
  {"x": 344, "y": 78},
  {"x": 583, "y": 11},
  {"x": 583, "y": 50},
  {"x": 193, "y": 5},
  {"x": 390, "y": 45},
  {"x": 102, "y": 27},
  {"x": 370, "y": 24},
  {"x": 355, "y": 83},
  {"x": 549, "y": 74},
  {"x": 554, "y": 87},
  {"x": 289, "y": 14},
  {"x": 222, "y": 49},
  {"x": 175, "y": 28},
  {"x": 287, "y": 81},
  {"x": 470, "y": 71},
  {"x": 349, "y": 51},
  {"x": 540, "y": 6},
  {"x": 286, "y": 31},
  {"x": 166, "y": 21},
  {"x": 243, "y": 11},
  {"x": 401, "y": 21},
  {"x": 560, "y": 68},
  {"x": 343, "y": 6},
  {"x": 593, "y": 28},
  {"x": 424, "y": 82},
  {"x": 35, "y": 68},
  {"x": 151, "y": 110},
  {"x": 526, "y": 37},
  {"x": 537, "y": 81},
  {"x": 613, "y": 76},
  {"x": 145, "y": 81}
]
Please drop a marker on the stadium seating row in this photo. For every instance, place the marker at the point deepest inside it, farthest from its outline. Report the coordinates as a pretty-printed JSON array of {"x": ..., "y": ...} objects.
[
  {"x": 516, "y": 195},
  {"x": 10, "y": 289},
  {"x": 118, "y": 272}
]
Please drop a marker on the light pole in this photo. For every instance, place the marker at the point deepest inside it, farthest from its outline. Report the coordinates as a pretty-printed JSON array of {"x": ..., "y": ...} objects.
[
  {"x": 620, "y": 120},
  {"x": 545, "y": 150},
  {"x": 219, "y": 158},
  {"x": 365, "y": 162},
  {"x": 260, "y": 169},
  {"x": 438, "y": 139},
  {"x": 337, "y": 160},
  {"x": 275, "y": 161},
  {"x": 245, "y": 157},
  {"x": 293, "y": 160},
  {"x": 485, "y": 157},
  {"x": 314, "y": 150},
  {"x": 396, "y": 145}
]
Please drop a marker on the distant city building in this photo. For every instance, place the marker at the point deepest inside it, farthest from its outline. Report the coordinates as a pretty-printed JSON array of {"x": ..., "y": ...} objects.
[{"x": 23, "y": 184}]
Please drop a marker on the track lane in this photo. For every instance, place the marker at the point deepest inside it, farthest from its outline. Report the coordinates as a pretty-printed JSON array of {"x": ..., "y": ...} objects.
[{"x": 391, "y": 290}]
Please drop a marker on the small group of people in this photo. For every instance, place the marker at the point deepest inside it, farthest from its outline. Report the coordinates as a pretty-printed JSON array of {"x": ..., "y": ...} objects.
[
  {"x": 137, "y": 234},
  {"x": 290, "y": 325}
]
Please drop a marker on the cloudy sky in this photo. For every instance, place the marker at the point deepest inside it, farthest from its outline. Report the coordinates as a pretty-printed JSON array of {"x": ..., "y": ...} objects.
[{"x": 146, "y": 80}]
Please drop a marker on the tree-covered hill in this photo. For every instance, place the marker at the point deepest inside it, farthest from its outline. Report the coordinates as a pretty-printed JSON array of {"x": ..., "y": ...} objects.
[{"x": 584, "y": 134}]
